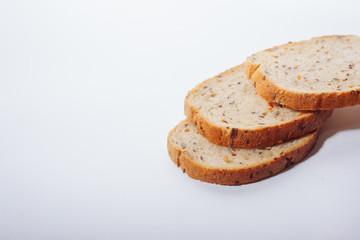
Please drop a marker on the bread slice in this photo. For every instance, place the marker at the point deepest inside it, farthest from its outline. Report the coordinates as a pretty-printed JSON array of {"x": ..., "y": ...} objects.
[
  {"x": 227, "y": 111},
  {"x": 208, "y": 162},
  {"x": 321, "y": 73}
]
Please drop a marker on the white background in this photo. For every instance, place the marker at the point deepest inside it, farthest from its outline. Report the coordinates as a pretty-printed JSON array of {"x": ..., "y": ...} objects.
[{"x": 89, "y": 91}]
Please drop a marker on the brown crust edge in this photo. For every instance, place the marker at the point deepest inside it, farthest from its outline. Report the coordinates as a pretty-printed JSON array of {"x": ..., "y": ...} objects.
[
  {"x": 298, "y": 100},
  {"x": 263, "y": 137},
  {"x": 238, "y": 176}
]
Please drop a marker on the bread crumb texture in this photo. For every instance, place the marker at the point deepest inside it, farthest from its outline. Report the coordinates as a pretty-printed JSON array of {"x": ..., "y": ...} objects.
[{"x": 318, "y": 65}]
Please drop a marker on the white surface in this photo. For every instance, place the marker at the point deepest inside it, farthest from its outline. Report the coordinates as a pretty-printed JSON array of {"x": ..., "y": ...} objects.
[{"x": 89, "y": 91}]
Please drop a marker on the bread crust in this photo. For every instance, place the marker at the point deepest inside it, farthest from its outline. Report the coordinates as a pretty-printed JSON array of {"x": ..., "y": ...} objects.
[
  {"x": 298, "y": 100},
  {"x": 261, "y": 137},
  {"x": 238, "y": 176}
]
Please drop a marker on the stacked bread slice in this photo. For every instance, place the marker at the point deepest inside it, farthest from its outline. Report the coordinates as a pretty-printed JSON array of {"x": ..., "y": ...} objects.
[
  {"x": 240, "y": 131},
  {"x": 321, "y": 73}
]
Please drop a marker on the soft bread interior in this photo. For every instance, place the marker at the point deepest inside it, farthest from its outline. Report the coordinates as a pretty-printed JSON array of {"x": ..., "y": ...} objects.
[
  {"x": 320, "y": 65},
  {"x": 230, "y": 99}
]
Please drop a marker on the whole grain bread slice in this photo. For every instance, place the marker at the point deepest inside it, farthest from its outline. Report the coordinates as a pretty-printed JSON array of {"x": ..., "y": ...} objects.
[
  {"x": 208, "y": 162},
  {"x": 317, "y": 74},
  {"x": 227, "y": 111}
]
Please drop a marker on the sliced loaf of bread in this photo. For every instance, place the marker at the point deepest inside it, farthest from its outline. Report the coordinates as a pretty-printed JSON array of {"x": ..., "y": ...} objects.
[
  {"x": 227, "y": 111},
  {"x": 208, "y": 162},
  {"x": 317, "y": 74}
]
